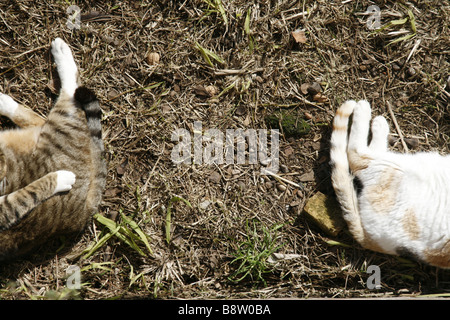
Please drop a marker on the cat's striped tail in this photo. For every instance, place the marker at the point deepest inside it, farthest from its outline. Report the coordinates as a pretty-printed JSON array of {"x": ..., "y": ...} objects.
[
  {"x": 86, "y": 100},
  {"x": 341, "y": 177}
]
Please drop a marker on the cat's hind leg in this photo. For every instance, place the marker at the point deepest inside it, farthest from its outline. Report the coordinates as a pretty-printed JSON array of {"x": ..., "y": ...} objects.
[
  {"x": 23, "y": 140},
  {"x": 360, "y": 127},
  {"x": 66, "y": 66},
  {"x": 359, "y": 154},
  {"x": 380, "y": 132},
  {"x": 19, "y": 114}
]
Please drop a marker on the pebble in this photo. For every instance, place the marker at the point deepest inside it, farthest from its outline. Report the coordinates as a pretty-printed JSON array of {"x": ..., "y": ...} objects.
[
  {"x": 215, "y": 177},
  {"x": 314, "y": 88}
]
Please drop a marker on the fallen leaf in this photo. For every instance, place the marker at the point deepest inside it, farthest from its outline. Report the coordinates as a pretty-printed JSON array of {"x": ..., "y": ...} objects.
[
  {"x": 299, "y": 36},
  {"x": 304, "y": 88},
  {"x": 201, "y": 91}
]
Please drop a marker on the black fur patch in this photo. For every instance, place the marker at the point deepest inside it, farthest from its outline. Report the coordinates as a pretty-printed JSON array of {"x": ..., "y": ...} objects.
[
  {"x": 84, "y": 95},
  {"x": 406, "y": 253},
  {"x": 357, "y": 184}
]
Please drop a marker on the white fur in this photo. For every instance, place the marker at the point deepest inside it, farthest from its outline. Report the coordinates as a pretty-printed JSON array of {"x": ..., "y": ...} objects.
[
  {"x": 404, "y": 204},
  {"x": 8, "y": 106},
  {"x": 65, "y": 64},
  {"x": 64, "y": 181}
]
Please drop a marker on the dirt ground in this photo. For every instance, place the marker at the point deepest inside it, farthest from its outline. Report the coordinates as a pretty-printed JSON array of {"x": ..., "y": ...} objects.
[{"x": 225, "y": 230}]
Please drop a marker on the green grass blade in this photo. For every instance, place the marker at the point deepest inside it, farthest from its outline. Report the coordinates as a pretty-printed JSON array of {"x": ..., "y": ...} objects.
[
  {"x": 124, "y": 234},
  {"x": 408, "y": 36},
  {"x": 412, "y": 21},
  {"x": 247, "y": 22},
  {"x": 221, "y": 9},
  {"x": 134, "y": 226},
  {"x": 207, "y": 54}
]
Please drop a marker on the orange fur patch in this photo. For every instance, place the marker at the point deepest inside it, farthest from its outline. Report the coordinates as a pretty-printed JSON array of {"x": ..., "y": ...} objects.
[
  {"x": 410, "y": 224},
  {"x": 383, "y": 195},
  {"x": 439, "y": 257},
  {"x": 358, "y": 162},
  {"x": 21, "y": 140}
]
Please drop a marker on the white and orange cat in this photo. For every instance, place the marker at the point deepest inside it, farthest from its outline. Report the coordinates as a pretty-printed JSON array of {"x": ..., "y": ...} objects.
[{"x": 393, "y": 203}]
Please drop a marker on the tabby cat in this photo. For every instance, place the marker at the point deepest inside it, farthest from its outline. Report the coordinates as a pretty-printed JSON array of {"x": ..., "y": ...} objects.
[
  {"x": 393, "y": 203},
  {"x": 52, "y": 172}
]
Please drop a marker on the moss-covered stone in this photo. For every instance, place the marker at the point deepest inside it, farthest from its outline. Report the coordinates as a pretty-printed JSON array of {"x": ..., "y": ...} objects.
[
  {"x": 325, "y": 212},
  {"x": 290, "y": 125}
]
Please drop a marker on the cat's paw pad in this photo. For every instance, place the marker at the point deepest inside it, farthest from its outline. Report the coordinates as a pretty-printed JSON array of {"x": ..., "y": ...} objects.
[
  {"x": 64, "y": 180},
  {"x": 7, "y": 105},
  {"x": 65, "y": 64}
]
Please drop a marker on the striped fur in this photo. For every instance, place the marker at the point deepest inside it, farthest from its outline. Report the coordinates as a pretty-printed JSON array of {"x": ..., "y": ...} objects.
[
  {"x": 53, "y": 171},
  {"x": 402, "y": 205}
]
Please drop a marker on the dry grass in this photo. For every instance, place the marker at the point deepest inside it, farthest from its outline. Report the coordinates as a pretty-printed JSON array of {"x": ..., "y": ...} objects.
[{"x": 232, "y": 207}]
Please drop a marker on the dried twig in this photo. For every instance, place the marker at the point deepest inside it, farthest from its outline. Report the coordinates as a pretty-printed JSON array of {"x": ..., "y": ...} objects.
[{"x": 397, "y": 127}]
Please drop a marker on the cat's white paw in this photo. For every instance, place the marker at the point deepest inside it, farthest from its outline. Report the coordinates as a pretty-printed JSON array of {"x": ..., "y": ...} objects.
[
  {"x": 64, "y": 180},
  {"x": 363, "y": 110},
  {"x": 66, "y": 66},
  {"x": 380, "y": 126},
  {"x": 380, "y": 132},
  {"x": 7, "y": 105}
]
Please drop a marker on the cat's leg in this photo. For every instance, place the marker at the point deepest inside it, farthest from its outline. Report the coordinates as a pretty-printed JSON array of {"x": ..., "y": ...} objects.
[
  {"x": 380, "y": 132},
  {"x": 360, "y": 127},
  {"x": 16, "y": 205},
  {"x": 66, "y": 66},
  {"x": 19, "y": 114},
  {"x": 359, "y": 154}
]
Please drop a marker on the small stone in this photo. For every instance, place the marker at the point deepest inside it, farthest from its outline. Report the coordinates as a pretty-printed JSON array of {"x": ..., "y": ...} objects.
[
  {"x": 201, "y": 91},
  {"x": 314, "y": 88},
  {"x": 395, "y": 66},
  {"x": 165, "y": 108},
  {"x": 392, "y": 140},
  {"x": 205, "y": 204},
  {"x": 411, "y": 72},
  {"x": 413, "y": 143},
  {"x": 269, "y": 185},
  {"x": 211, "y": 90},
  {"x": 240, "y": 110},
  {"x": 112, "y": 94},
  {"x": 215, "y": 177},
  {"x": 307, "y": 177},
  {"x": 281, "y": 187}
]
